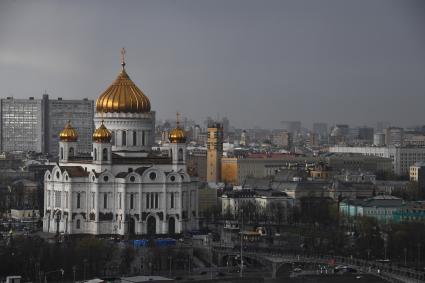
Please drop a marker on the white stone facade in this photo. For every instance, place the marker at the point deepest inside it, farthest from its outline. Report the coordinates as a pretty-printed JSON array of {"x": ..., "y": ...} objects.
[{"x": 149, "y": 200}]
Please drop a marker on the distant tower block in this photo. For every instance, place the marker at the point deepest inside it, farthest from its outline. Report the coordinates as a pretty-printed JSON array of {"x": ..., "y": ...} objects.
[{"x": 215, "y": 152}]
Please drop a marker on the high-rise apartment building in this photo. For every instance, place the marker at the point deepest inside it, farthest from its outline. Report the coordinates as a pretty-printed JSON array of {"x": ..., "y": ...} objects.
[
  {"x": 34, "y": 124},
  {"x": 291, "y": 126},
  {"x": 215, "y": 152},
  {"x": 365, "y": 134},
  {"x": 282, "y": 138},
  {"x": 394, "y": 136}
]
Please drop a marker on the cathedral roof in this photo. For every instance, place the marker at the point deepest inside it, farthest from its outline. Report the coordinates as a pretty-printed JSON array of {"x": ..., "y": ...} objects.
[{"x": 74, "y": 171}]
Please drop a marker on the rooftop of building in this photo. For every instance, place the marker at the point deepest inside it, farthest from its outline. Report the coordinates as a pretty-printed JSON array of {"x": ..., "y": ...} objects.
[{"x": 377, "y": 201}]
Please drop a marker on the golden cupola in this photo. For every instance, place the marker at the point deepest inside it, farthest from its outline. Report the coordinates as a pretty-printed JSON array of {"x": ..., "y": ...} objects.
[
  {"x": 102, "y": 134},
  {"x": 123, "y": 96},
  {"x": 68, "y": 134},
  {"x": 177, "y": 135}
]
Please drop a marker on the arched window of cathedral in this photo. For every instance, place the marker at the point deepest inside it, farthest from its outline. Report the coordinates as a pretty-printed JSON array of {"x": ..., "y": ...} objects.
[
  {"x": 78, "y": 223},
  {"x": 78, "y": 200},
  {"x": 180, "y": 155},
  {"x": 105, "y": 154},
  {"x": 71, "y": 151},
  {"x": 134, "y": 138},
  {"x": 57, "y": 175},
  {"x": 131, "y": 201},
  {"x": 124, "y": 138},
  {"x": 105, "y": 200},
  {"x": 105, "y": 178},
  {"x": 95, "y": 154},
  {"x": 152, "y": 176},
  {"x": 61, "y": 152},
  {"x": 156, "y": 200}
]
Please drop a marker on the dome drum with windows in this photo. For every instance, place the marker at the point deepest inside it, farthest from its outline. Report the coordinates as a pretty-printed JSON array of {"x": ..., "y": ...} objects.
[{"x": 68, "y": 134}]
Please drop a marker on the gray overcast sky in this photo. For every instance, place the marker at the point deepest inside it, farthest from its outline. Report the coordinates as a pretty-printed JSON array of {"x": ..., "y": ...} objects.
[{"x": 256, "y": 62}]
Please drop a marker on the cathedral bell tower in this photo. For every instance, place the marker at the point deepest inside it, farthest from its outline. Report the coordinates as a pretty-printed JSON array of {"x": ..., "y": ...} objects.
[
  {"x": 177, "y": 138},
  {"x": 67, "y": 143}
]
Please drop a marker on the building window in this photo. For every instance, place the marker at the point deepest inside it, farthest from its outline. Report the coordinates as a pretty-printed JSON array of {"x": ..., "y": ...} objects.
[
  {"x": 78, "y": 200},
  {"x": 105, "y": 200},
  {"x": 134, "y": 138},
  {"x": 151, "y": 197},
  {"x": 143, "y": 137},
  {"x": 180, "y": 155},
  {"x": 147, "y": 200},
  {"x": 57, "y": 199},
  {"x": 156, "y": 200},
  {"x": 152, "y": 176},
  {"x": 71, "y": 151},
  {"x": 119, "y": 200},
  {"x": 78, "y": 223},
  {"x": 66, "y": 199},
  {"x": 95, "y": 154},
  {"x": 61, "y": 152},
  {"x": 131, "y": 201},
  {"x": 124, "y": 138},
  {"x": 172, "y": 200},
  {"x": 105, "y": 154},
  {"x": 93, "y": 199}
]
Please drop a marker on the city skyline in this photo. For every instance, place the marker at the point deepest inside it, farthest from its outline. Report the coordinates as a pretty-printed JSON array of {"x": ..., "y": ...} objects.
[{"x": 354, "y": 62}]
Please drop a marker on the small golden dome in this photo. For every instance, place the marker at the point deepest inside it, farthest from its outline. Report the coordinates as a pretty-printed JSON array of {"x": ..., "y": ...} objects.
[
  {"x": 177, "y": 135},
  {"x": 102, "y": 134},
  {"x": 123, "y": 96},
  {"x": 68, "y": 134}
]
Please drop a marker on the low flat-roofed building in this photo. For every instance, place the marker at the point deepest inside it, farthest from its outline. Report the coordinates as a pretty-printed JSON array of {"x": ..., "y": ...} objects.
[
  {"x": 412, "y": 212},
  {"x": 380, "y": 207}
]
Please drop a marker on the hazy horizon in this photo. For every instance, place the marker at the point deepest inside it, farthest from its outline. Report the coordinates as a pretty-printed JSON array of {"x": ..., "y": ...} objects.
[{"x": 255, "y": 62}]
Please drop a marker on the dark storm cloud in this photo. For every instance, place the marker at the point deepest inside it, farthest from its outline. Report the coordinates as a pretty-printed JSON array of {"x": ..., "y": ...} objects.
[{"x": 257, "y": 62}]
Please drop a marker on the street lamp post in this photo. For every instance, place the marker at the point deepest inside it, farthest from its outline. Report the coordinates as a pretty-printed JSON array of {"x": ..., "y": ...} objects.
[
  {"x": 405, "y": 256},
  {"x": 169, "y": 258},
  {"x": 211, "y": 267},
  {"x": 241, "y": 230},
  {"x": 74, "y": 269}
]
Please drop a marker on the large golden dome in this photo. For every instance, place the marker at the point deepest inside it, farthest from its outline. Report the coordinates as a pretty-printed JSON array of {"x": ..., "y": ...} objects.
[
  {"x": 177, "y": 135},
  {"x": 102, "y": 134},
  {"x": 68, "y": 134},
  {"x": 123, "y": 96}
]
